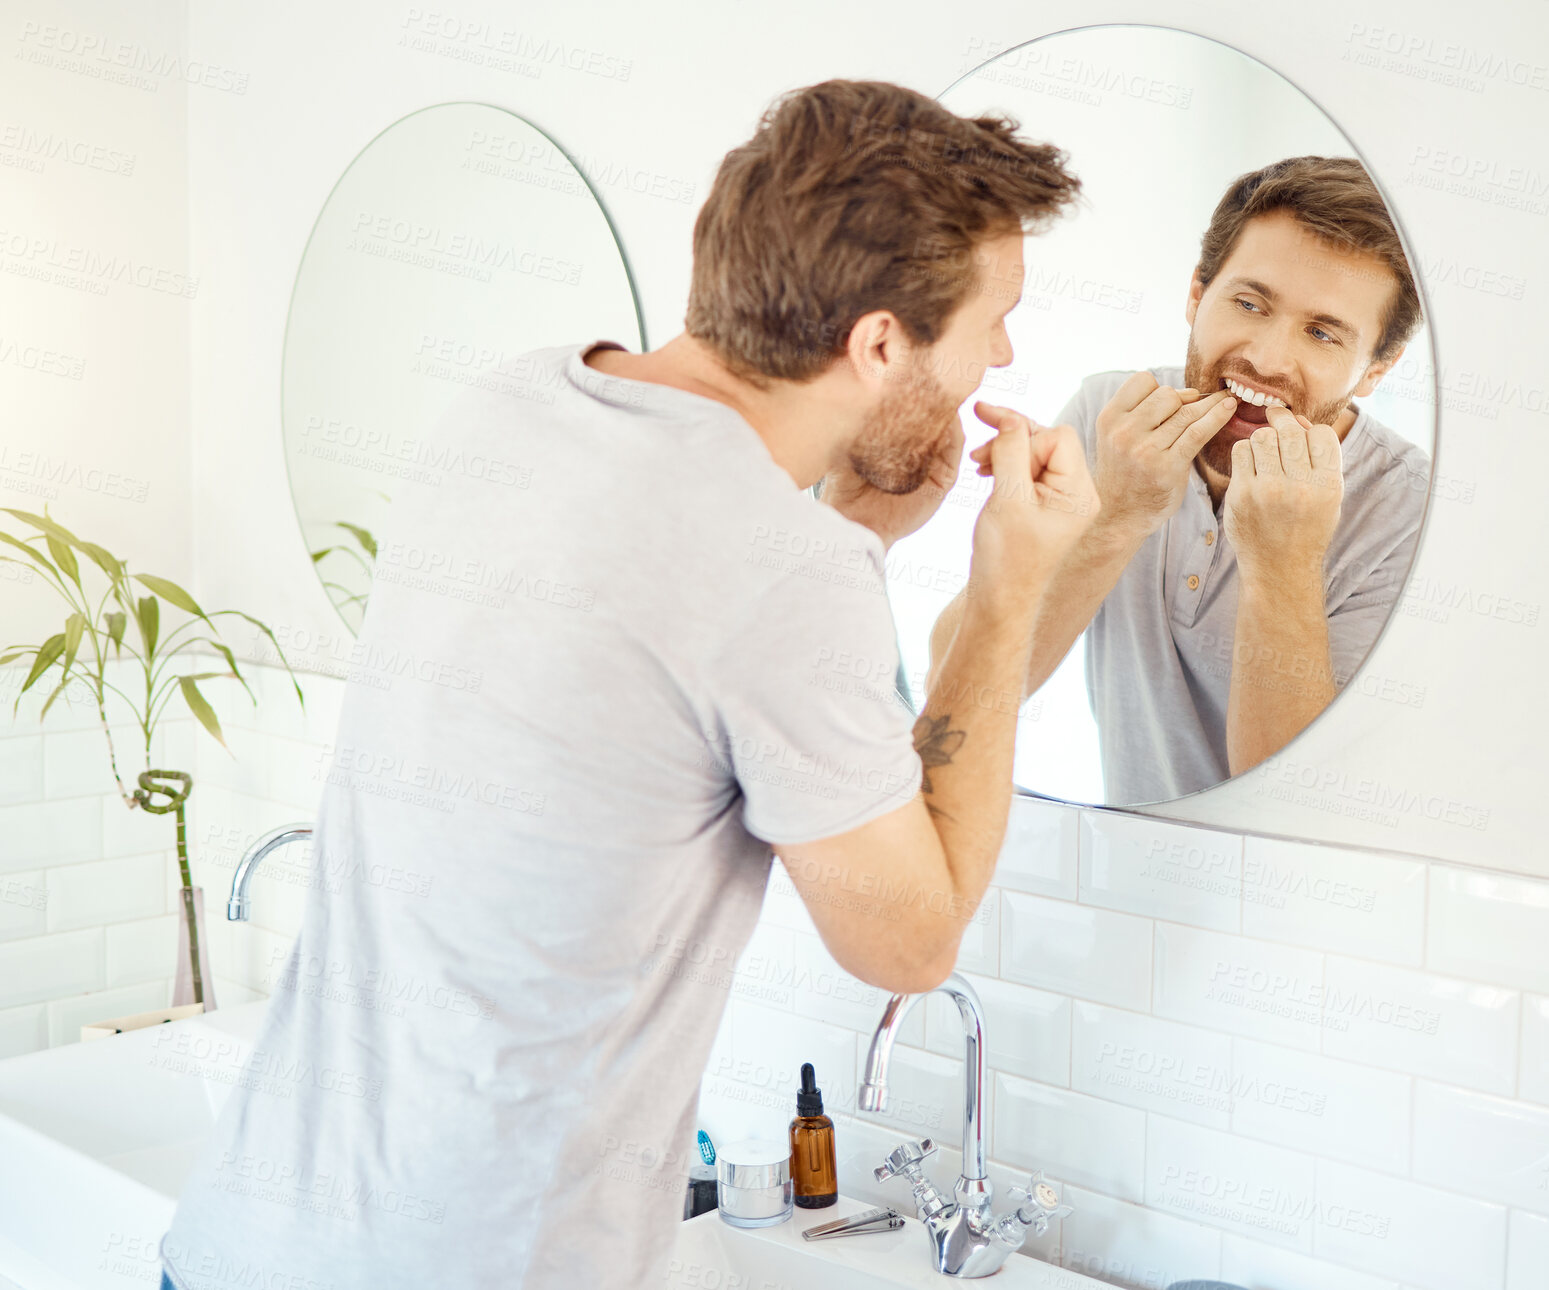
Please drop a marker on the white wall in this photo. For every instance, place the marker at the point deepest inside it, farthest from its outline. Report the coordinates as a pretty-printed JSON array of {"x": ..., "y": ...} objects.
[
  {"x": 95, "y": 296},
  {"x": 1403, "y": 1018}
]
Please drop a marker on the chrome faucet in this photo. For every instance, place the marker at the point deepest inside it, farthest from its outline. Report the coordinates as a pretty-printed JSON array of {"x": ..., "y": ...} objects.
[
  {"x": 237, "y": 906},
  {"x": 966, "y": 1240}
]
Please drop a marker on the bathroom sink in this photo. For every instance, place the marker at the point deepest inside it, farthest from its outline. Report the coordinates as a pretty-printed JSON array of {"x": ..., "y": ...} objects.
[
  {"x": 96, "y": 1140},
  {"x": 709, "y": 1253}
]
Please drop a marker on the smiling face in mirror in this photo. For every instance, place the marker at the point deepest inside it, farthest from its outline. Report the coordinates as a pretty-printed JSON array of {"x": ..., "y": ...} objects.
[
  {"x": 1262, "y": 474},
  {"x": 1291, "y": 317}
]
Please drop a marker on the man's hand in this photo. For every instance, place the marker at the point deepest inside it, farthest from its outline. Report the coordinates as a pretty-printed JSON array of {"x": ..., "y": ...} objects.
[
  {"x": 894, "y": 515},
  {"x": 1283, "y": 501},
  {"x": 1147, "y": 438},
  {"x": 1042, "y": 502}
]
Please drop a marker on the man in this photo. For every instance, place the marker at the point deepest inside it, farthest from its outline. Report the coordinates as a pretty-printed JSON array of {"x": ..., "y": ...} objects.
[
  {"x": 1205, "y": 656},
  {"x": 482, "y": 1055}
]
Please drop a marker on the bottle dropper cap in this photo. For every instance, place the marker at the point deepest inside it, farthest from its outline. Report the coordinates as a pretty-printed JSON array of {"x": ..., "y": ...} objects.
[{"x": 809, "y": 1098}]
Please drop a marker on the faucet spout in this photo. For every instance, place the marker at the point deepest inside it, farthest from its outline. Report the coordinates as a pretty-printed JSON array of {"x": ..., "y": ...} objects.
[
  {"x": 237, "y": 906},
  {"x": 872, "y": 1095}
]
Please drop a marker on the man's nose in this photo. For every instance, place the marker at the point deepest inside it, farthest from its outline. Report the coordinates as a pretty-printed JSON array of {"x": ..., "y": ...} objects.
[{"x": 1265, "y": 353}]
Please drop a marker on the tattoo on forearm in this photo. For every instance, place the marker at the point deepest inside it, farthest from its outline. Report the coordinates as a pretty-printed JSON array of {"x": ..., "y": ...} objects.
[{"x": 936, "y": 743}]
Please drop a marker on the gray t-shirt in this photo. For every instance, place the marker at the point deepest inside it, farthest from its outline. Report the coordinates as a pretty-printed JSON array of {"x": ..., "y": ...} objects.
[
  {"x": 1159, "y": 650},
  {"x": 614, "y": 656}
]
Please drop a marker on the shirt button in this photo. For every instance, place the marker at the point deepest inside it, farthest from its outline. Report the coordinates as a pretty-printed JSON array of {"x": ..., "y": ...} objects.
[
  {"x": 1193, "y": 582},
  {"x": 1210, "y": 537}
]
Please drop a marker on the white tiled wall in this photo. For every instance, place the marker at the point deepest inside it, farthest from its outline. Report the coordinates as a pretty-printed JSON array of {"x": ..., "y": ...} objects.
[{"x": 1288, "y": 1066}]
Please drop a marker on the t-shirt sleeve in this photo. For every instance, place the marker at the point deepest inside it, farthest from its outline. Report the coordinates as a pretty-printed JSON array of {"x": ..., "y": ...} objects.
[{"x": 814, "y": 729}]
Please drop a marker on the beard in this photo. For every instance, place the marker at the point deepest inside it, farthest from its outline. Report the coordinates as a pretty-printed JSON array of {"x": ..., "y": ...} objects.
[
  {"x": 903, "y": 435},
  {"x": 1217, "y": 454}
]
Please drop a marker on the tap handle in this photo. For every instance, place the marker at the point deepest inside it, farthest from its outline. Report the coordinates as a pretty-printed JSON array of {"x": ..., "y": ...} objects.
[
  {"x": 904, "y": 1160},
  {"x": 1038, "y": 1203}
]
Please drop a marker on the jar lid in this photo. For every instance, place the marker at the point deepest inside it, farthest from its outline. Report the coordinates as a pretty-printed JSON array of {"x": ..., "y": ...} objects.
[{"x": 754, "y": 1162}]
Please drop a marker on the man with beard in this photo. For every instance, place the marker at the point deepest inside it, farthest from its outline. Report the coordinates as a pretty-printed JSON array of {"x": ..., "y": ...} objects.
[
  {"x": 1204, "y": 656},
  {"x": 683, "y": 665}
]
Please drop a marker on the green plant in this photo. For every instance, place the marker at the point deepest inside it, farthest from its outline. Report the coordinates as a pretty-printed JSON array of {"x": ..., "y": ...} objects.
[
  {"x": 80, "y": 652},
  {"x": 367, "y": 543}
]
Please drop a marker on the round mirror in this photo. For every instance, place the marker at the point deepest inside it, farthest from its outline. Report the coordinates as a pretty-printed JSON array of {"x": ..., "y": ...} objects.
[
  {"x": 460, "y": 237},
  {"x": 1172, "y": 135}
]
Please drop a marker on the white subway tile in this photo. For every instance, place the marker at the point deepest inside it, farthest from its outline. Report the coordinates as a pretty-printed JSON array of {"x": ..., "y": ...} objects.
[
  {"x": 1332, "y": 899},
  {"x": 1527, "y": 1252},
  {"x": 131, "y": 832},
  {"x": 1533, "y": 1076},
  {"x": 143, "y": 950},
  {"x": 1131, "y": 1245},
  {"x": 44, "y": 833},
  {"x": 50, "y": 967},
  {"x": 753, "y": 1083},
  {"x": 23, "y": 904},
  {"x": 67, "y": 1016},
  {"x": 979, "y": 949},
  {"x": 21, "y": 768},
  {"x": 76, "y": 762},
  {"x": 1038, "y": 855},
  {"x": 766, "y": 971},
  {"x": 1435, "y": 1026},
  {"x": 105, "y": 891},
  {"x": 1152, "y": 1064},
  {"x": 1332, "y": 1108},
  {"x": 925, "y": 1093},
  {"x": 1251, "y": 1188},
  {"x": 1430, "y": 1239},
  {"x": 1252, "y": 988},
  {"x": 1076, "y": 949},
  {"x": 1072, "y": 1137},
  {"x": 1489, "y": 927},
  {"x": 1255, "y": 1266},
  {"x": 1027, "y": 1031},
  {"x": 23, "y": 1030},
  {"x": 1146, "y": 866},
  {"x": 1483, "y": 1146}
]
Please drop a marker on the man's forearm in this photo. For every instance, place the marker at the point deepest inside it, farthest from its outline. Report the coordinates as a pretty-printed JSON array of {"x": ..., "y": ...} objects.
[
  {"x": 1282, "y": 673},
  {"x": 1069, "y": 600},
  {"x": 966, "y": 735}
]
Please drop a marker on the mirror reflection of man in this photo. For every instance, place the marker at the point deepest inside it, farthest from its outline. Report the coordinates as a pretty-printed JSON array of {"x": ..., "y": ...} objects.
[{"x": 1204, "y": 656}]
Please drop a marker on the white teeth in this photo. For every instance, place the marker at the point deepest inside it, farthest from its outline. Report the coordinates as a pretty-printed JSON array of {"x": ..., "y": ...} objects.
[{"x": 1256, "y": 397}]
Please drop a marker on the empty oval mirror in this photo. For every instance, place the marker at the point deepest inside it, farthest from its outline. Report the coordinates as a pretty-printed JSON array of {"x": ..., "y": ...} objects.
[{"x": 460, "y": 237}]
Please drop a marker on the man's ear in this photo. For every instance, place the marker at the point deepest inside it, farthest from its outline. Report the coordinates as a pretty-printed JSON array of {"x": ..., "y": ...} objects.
[
  {"x": 1196, "y": 292},
  {"x": 1375, "y": 372}
]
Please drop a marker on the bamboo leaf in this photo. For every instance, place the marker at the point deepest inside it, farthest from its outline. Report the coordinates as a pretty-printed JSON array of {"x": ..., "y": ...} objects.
[
  {"x": 363, "y": 536},
  {"x": 45, "y": 524},
  {"x": 116, "y": 624},
  {"x": 201, "y": 708},
  {"x": 149, "y": 616},
  {"x": 170, "y": 591},
  {"x": 104, "y": 560},
  {"x": 64, "y": 557},
  {"x": 264, "y": 628},
  {"x": 75, "y": 627},
  {"x": 58, "y": 690},
  {"x": 36, "y": 555},
  {"x": 13, "y": 655},
  {"x": 231, "y": 659},
  {"x": 319, "y": 554},
  {"x": 50, "y": 650}
]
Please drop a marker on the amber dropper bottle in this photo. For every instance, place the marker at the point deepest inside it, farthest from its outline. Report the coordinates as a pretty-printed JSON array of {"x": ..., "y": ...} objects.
[{"x": 814, "y": 1176}]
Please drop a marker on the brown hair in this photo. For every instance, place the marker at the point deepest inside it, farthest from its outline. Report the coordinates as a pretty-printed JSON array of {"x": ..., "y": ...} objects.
[
  {"x": 854, "y": 196},
  {"x": 1334, "y": 199}
]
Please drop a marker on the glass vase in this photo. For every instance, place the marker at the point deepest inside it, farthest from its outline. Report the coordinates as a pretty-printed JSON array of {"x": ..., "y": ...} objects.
[{"x": 192, "y": 898}]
